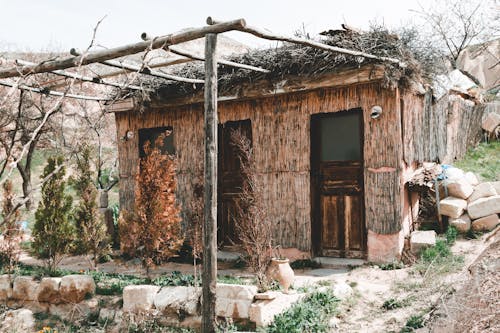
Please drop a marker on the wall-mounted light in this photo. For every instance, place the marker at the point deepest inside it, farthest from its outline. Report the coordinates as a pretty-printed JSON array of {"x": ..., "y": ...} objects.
[
  {"x": 129, "y": 135},
  {"x": 376, "y": 112}
]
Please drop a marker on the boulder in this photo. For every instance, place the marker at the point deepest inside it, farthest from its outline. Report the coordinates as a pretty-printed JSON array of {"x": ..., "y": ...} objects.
[
  {"x": 139, "y": 298},
  {"x": 178, "y": 300},
  {"x": 21, "y": 320},
  {"x": 74, "y": 288},
  {"x": 74, "y": 312},
  {"x": 234, "y": 300},
  {"x": 5, "y": 287},
  {"x": 262, "y": 312},
  {"x": 462, "y": 223},
  {"x": 48, "y": 290},
  {"x": 486, "y": 223},
  {"x": 482, "y": 190},
  {"x": 420, "y": 240},
  {"x": 25, "y": 288},
  {"x": 460, "y": 188},
  {"x": 342, "y": 290},
  {"x": 452, "y": 207},
  {"x": 496, "y": 185},
  {"x": 471, "y": 178},
  {"x": 490, "y": 121},
  {"x": 484, "y": 207}
]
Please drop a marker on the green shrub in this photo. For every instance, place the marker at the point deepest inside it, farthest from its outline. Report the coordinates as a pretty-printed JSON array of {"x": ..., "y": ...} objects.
[
  {"x": 309, "y": 315},
  {"x": 305, "y": 263},
  {"x": 52, "y": 232},
  {"x": 392, "y": 304},
  {"x": 436, "y": 252},
  {"x": 392, "y": 266},
  {"x": 414, "y": 322},
  {"x": 451, "y": 235}
]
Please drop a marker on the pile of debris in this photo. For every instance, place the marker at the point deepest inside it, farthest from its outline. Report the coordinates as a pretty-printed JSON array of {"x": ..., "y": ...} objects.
[{"x": 470, "y": 204}]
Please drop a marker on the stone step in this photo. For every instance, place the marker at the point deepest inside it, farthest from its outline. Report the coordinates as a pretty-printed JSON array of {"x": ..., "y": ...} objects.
[{"x": 330, "y": 262}]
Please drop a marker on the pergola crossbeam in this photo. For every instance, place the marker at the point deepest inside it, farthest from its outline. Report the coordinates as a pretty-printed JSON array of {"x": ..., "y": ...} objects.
[
  {"x": 95, "y": 79},
  {"x": 52, "y": 92},
  {"x": 306, "y": 42}
]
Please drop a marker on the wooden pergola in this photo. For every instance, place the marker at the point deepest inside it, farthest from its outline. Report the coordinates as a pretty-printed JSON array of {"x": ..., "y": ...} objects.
[{"x": 108, "y": 57}]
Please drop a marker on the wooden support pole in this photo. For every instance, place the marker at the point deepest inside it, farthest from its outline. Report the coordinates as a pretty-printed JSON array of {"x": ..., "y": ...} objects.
[
  {"x": 209, "y": 273},
  {"x": 100, "y": 56},
  {"x": 92, "y": 79},
  {"x": 307, "y": 42},
  {"x": 143, "y": 70},
  {"x": 53, "y": 93}
]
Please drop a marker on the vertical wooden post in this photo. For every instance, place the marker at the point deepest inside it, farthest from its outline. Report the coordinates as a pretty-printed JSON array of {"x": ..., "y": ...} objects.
[{"x": 209, "y": 274}]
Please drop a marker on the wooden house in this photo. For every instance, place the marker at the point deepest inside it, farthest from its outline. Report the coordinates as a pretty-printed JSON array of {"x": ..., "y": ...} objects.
[{"x": 335, "y": 139}]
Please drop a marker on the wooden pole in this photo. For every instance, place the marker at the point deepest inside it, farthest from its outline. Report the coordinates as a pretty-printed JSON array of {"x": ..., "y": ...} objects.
[
  {"x": 307, "y": 42},
  {"x": 53, "y": 93},
  {"x": 142, "y": 70},
  {"x": 100, "y": 56},
  {"x": 209, "y": 273}
]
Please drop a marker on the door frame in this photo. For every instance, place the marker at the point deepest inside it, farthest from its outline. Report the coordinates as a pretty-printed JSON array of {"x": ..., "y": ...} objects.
[{"x": 315, "y": 182}]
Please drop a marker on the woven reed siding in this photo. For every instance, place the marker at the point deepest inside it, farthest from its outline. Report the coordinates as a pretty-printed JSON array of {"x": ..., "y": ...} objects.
[
  {"x": 440, "y": 132},
  {"x": 281, "y": 143}
]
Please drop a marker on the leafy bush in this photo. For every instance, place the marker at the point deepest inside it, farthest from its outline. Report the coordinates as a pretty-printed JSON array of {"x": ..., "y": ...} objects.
[
  {"x": 309, "y": 315},
  {"x": 305, "y": 263},
  {"x": 153, "y": 231},
  {"x": 414, "y": 322},
  {"x": 52, "y": 232},
  {"x": 451, "y": 235},
  {"x": 439, "y": 251}
]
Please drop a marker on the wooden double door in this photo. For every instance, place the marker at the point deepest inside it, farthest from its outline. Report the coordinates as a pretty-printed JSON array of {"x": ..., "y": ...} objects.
[
  {"x": 230, "y": 180},
  {"x": 337, "y": 184}
]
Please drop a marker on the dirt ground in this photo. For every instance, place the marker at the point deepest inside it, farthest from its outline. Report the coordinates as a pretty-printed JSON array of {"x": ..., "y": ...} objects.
[{"x": 431, "y": 294}]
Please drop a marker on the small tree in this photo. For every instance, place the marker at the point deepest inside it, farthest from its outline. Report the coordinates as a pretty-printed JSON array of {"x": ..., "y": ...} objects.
[
  {"x": 253, "y": 225},
  {"x": 153, "y": 231},
  {"x": 10, "y": 230},
  {"x": 53, "y": 233},
  {"x": 90, "y": 227}
]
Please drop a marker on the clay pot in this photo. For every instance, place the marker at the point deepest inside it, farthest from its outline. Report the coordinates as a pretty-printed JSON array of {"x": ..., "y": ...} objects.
[{"x": 280, "y": 270}]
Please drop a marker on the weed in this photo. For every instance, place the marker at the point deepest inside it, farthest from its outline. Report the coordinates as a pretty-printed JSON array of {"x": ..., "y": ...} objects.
[
  {"x": 391, "y": 266},
  {"x": 309, "y": 315},
  {"x": 305, "y": 263},
  {"x": 393, "y": 303},
  {"x": 451, "y": 235},
  {"x": 414, "y": 322}
]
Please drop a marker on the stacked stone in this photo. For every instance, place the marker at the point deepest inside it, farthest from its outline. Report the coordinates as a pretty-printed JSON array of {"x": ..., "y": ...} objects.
[{"x": 471, "y": 204}]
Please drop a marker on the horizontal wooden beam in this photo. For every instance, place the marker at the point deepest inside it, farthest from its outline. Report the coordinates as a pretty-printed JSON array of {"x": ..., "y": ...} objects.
[
  {"x": 190, "y": 55},
  {"x": 103, "y": 55},
  {"x": 143, "y": 70},
  {"x": 53, "y": 93},
  {"x": 263, "y": 88},
  {"x": 307, "y": 42},
  {"x": 93, "y": 79}
]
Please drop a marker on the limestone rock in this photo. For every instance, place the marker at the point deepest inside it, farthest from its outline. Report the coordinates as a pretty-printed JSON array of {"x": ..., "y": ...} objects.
[
  {"x": 262, "y": 312},
  {"x": 496, "y": 185},
  {"x": 268, "y": 295},
  {"x": 460, "y": 188},
  {"x": 21, "y": 320},
  {"x": 462, "y": 224},
  {"x": 420, "y": 240},
  {"x": 5, "y": 287},
  {"x": 490, "y": 121},
  {"x": 139, "y": 298},
  {"x": 74, "y": 288},
  {"x": 25, "y": 288},
  {"x": 484, "y": 207},
  {"x": 482, "y": 190},
  {"x": 452, "y": 207},
  {"x": 486, "y": 223},
  {"x": 234, "y": 300},
  {"x": 342, "y": 290},
  {"x": 471, "y": 178},
  {"x": 178, "y": 300},
  {"x": 48, "y": 290}
]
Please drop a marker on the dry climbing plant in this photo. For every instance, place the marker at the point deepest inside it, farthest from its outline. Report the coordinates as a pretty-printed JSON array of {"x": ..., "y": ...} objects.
[
  {"x": 10, "y": 230},
  {"x": 252, "y": 222},
  {"x": 153, "y": 231}
]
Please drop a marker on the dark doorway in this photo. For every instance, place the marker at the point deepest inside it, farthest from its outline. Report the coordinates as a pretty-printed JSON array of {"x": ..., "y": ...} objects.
[
  {"x": 230, "y": 181},
  {"x": 337, "y": 184}
]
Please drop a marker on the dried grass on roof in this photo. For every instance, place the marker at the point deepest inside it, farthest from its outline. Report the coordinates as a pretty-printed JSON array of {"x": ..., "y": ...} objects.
[{"x": 296, "y": 60}]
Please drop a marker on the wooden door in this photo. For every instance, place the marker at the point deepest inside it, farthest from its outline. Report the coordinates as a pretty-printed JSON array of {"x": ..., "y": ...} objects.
[
  {"x": 337, "y": 184},
  {"x": 230, "y": 181}
]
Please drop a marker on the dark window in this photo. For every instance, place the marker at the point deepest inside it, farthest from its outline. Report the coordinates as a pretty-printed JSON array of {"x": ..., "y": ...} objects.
[
  {"x": 340, "y": 137},
  {"x": 151, "y": 134}
]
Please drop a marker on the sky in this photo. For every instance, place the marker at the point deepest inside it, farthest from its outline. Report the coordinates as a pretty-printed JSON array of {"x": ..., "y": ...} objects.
[{"x": 58, "y": 25}]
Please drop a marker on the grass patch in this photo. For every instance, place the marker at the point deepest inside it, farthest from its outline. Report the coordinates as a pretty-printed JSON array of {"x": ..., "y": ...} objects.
[
  {"x": 483, "y": 160},
  {"x": 308, "y": 316}
]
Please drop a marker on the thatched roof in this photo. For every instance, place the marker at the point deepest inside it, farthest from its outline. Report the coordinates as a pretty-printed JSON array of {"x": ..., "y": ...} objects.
[{"x": 300, "y": 61}]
